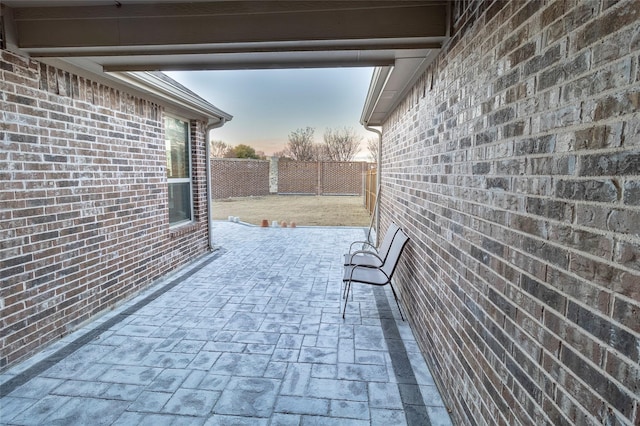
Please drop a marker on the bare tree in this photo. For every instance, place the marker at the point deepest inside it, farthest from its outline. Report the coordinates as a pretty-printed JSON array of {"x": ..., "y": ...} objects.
[
  {"x": 300, "y": 145},
  {"x": 372, "y": 146},
  {"x": 283, "y": 155},
  {"x": 341, "y": 144},
  {"x": 219, "y": 149},
  {"x": 320, "y": 152}
]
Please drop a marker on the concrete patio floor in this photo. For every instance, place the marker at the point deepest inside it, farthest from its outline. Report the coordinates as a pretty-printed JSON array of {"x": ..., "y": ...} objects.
[{"x": 249, "y": 335}]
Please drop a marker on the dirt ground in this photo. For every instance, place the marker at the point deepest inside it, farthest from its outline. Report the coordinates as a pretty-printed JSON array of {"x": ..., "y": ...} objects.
[{"x": 304, "y": 210}]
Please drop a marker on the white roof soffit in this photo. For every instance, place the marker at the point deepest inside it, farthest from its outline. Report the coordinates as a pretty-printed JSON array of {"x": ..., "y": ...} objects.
[
  {"x": 253, "y": 60},
  {"x": 117, "y": 37},
  {"x": 390, "y": 85},
  {"x": 139, "y": 35}
]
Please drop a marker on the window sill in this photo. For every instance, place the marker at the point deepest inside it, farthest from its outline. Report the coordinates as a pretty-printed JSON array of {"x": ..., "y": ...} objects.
[{"x": 182, "y": 229}]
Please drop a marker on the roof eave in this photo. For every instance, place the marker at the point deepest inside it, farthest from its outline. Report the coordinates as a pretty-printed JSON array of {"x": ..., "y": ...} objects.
[
  {"x": 376, "y": 86},
  {"x": 172, "y": 94},
  {"x": 390, "y": 85}
]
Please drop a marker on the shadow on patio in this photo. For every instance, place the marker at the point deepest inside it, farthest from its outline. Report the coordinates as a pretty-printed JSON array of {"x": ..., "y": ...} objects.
[{"x": 251, "y": 334}]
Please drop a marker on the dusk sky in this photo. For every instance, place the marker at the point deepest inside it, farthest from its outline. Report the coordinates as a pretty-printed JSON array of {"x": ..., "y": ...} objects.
[{"x": 267, "y": 105}]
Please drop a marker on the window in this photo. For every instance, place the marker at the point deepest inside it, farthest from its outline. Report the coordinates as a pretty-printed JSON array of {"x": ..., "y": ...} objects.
[{"x": 178, "y": 170}]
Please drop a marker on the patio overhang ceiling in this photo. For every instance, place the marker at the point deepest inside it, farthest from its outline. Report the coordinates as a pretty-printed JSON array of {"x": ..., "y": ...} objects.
[{"x": 142, "y": 35}]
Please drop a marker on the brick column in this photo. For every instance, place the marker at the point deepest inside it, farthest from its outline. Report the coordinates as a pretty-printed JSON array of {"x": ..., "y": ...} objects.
[{"x": 273, "y": 175}]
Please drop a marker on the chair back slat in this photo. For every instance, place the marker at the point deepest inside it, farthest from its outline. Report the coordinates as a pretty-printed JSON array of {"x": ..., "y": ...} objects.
[
  {"x": 397, "y": 245},
  {"x": 385, "y": 246}
]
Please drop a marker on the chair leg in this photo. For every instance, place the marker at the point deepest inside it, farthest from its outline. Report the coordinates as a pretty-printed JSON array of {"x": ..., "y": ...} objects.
[
  {"x": 346, "y": 297},
  {"x": 395, "y": 296},
  {"x": 345, "y": 294},
  {"x": 347, "y": 289}
]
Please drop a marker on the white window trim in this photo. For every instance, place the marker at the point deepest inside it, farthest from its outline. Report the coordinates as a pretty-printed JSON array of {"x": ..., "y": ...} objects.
[{"x": 182, "y": 180}]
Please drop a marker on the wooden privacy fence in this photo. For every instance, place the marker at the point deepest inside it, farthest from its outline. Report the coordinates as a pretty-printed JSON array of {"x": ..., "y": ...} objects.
[{"x": 370, "y": 180}]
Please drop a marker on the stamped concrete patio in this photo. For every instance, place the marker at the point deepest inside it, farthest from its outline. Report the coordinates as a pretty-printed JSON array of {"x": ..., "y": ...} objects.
[{"x": 248, "y": 335}]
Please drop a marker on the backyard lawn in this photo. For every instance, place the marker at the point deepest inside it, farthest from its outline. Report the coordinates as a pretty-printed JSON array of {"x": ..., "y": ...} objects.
[{"x": 304, "y": 210}]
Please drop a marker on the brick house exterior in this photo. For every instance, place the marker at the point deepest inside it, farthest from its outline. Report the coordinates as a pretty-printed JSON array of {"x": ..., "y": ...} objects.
[
  {"x": 514, "y": 165},
  {"x": 84, "y": 216},
  {"x": 513, "y": 162}
]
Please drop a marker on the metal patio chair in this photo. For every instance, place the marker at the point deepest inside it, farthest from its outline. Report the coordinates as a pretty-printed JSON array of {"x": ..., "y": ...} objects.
[
  {"x": 371, "y": 256},
  {"x": 379, "y": 276}
]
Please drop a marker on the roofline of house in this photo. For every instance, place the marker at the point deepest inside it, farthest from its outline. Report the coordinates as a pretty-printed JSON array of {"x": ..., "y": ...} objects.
[
  {"x": 172, "y": 93},
  {"x": 378, "y": 81},
  {"x": 175, "y": 97},
  {"x": 391, "y": 84}
]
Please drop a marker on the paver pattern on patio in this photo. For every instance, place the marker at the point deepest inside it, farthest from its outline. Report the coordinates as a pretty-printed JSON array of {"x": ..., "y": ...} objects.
[{"x": 251, "y": 334}]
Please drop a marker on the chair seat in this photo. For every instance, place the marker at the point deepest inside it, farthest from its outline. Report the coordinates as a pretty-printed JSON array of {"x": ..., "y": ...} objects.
[
  {"x": 373, "y": 276},
  {"x": 363, "y": 259}
]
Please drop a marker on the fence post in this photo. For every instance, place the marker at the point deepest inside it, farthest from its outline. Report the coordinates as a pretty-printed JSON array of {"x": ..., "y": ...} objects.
[
  {"x": 273, "y": 174},
  {"x": 370, "y": 190},
  {"x": 320, "y": 191}
]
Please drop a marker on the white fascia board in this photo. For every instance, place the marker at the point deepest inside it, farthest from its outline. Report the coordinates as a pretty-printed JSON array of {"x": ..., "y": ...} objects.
[{"x": 379, "y": 80}]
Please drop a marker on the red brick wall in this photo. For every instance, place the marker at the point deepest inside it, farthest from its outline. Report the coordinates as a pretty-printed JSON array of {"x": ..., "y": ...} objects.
[
  {"x": 324, "y": 177},
  {"x": 83, "y": 202},
  {"x": 237, "y": 177},
  {"x": 297, "y": 177},
  {"x": 343, "y": 177},
  {"x": 233, "y": 177},
  {"x": 514, "y": 165}
]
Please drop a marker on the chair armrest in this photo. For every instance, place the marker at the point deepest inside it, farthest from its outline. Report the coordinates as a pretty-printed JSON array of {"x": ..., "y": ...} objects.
[{"x": 364, "y": 243}]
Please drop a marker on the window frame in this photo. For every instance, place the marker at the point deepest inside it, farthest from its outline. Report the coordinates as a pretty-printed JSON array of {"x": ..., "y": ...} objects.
[{"x": 188, "y": 179}]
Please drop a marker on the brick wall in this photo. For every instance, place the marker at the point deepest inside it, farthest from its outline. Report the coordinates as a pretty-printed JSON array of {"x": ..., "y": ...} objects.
[
  {"x": 233, "y": 177},
  {"x": 514, "y": 165},
  {"x": 322, "y": 177},
  {"x": 297, "y": 177},
  {"x": 83, "y": 202},
  {"x": 237, "y": 177},
  {"x": 343, "y": 177}
]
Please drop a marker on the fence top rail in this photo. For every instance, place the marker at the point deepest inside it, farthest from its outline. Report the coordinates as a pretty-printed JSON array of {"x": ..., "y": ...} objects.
[{"x": 238, "y": 159}]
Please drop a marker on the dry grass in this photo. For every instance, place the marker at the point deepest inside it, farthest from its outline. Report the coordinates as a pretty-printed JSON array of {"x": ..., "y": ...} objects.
[{"x": 304, "y": 210}]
